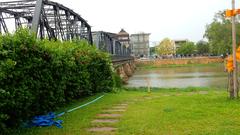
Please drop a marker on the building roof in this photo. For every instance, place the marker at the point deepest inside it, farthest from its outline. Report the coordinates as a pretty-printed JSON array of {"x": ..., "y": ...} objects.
[
  {"x": 122, "y": 32},
  {"x": 137, "y": 34}
]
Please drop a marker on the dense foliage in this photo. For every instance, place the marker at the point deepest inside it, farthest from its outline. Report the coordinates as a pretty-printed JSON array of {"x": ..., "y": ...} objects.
[
  {"x": 165, "y": 47},
  {"x": 187, "y": 48},
  {"x": 39, "y": 76},
  {"x": 203, "y": 47},
  {"x": 219, "y": 34}
]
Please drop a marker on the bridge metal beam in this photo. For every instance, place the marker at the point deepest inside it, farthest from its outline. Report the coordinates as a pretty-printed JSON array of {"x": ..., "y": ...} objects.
[
  {"x": 106, "y": 42},
  {"x": 36, "y": 16},
  {"x": 2, "y": 22},
  {"x": 46, "y": 18}
]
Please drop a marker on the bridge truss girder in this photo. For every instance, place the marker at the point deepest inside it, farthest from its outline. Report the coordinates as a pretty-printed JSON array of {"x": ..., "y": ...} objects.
[
  {"x": 55, "y": 21},
  {"x": 109, "y": 43}
]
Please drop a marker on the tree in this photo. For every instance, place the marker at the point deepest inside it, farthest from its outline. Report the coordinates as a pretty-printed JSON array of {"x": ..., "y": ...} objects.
[
  {"x": 219, "y": 34},
  {"x": 165, "y": 47},
  {"x": 202, "y": 47},
  {"x": 186, "y": 48},
  {"x": 152, "y": 50}
]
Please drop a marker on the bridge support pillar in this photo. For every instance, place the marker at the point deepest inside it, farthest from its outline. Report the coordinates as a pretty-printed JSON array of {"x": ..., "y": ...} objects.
[
  {"x": 128, "y": 70},
  {"x": 125, "y": 70}
]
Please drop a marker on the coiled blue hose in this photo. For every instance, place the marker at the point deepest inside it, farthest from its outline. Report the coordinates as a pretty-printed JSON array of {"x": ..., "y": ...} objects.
[{"x": 48, "y": 120}]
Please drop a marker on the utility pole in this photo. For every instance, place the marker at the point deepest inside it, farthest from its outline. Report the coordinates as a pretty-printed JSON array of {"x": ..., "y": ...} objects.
[
  {"x": 235, "y": 77},
  {"x": 232, "y": 60}
]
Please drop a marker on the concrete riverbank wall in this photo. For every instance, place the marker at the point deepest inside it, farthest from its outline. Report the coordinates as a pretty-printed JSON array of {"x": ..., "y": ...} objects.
[
  {"x": 183, "y": 61},
  {"x": 125, "y": 70}
]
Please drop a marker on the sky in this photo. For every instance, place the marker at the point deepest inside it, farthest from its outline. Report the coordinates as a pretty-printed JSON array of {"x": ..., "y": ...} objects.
[{"x": 175, "y": 19}]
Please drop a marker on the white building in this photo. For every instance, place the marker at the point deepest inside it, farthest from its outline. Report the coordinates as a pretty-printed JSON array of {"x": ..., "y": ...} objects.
[{"x": 140, "y": 44}]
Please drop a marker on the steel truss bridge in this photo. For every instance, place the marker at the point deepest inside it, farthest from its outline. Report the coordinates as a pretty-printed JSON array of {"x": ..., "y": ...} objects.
[{"x": 54, "y": 21}]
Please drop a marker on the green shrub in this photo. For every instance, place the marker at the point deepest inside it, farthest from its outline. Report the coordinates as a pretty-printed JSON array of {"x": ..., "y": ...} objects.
[
  {"x": 40, "y": 76},
  {"x": 117, "y": 80}
]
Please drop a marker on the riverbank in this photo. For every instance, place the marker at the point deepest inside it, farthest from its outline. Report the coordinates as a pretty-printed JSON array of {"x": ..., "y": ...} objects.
[
  {"x": 163, "y": 111},
  {"x": 158, "y": 63},
  {"x": 149, "y": 66}
]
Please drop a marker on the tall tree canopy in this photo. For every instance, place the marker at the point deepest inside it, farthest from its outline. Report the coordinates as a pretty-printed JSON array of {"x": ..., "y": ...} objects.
[
  {"x": 202, "y": 47},
  {"x": 166, "y": 47},
  {"x": 186, "y": 48},
  {"x": 219, "y": 34}
]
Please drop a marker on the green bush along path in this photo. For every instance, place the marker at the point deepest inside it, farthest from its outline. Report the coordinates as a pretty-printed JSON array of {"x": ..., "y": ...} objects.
[
  {"x": 190, "y": 111},
  {"x": 40, "y": 76}
]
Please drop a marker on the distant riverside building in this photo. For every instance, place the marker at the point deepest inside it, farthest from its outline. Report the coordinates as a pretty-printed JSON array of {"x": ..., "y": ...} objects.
[
  {"x": 178, "y": 43},
  {"x": 123, "y": 38},
  {"x": 140, "y": 44}
]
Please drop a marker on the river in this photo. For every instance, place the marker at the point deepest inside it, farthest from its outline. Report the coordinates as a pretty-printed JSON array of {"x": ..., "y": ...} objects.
[{"x": 181, "y": 77}]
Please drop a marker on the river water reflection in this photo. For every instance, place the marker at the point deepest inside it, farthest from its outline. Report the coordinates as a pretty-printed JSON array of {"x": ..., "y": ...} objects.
[{"x": 180, "y": 77}]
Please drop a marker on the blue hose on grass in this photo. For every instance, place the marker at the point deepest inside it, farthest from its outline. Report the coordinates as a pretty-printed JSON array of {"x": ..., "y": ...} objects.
[
  {"x": 48, "y": 120},
  {"x": 45, "y": 121}
]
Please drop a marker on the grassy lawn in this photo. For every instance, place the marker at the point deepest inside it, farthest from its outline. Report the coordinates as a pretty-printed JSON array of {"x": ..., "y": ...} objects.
[{"x": 190, "y": 111}]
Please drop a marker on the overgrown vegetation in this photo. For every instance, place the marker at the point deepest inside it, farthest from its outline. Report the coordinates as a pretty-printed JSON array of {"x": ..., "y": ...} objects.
[{"x": 39, "y": 76}]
